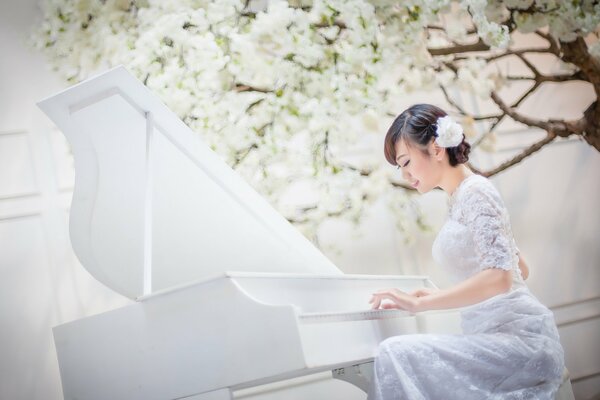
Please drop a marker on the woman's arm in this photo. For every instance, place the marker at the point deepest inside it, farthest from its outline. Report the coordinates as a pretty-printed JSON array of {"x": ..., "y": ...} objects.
[
  {"x": 481, "y": 286},
  {"x": 523, "y": 267}
]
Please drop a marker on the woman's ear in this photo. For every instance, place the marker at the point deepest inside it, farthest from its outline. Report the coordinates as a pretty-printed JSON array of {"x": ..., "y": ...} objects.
[{"x": 438, "y": 151}]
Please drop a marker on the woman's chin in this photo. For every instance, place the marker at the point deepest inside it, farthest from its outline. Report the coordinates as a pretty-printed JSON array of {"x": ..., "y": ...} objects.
[
  {"x": 422, "y": 189},
  {"x": 418, "y": 186}
]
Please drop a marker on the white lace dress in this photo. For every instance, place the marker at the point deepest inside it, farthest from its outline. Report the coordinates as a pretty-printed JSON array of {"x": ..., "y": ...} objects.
[{"x": 510, "y": 347}]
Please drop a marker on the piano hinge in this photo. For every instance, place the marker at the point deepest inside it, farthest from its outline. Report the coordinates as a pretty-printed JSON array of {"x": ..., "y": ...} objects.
[{"x": 360, "y": 375}]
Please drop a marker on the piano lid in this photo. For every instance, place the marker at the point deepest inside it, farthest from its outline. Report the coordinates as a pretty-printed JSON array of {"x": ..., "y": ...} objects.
[{"x": 153, "y": 206}]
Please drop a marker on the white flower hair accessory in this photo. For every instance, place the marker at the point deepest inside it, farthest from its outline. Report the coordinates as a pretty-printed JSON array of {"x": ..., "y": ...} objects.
[{"x": 449, "y": 133}]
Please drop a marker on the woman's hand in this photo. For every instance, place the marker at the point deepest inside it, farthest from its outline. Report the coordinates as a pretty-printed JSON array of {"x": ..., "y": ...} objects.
[
  {"x": 424, "y": 292},
  {"x": 400, "y": 300}
]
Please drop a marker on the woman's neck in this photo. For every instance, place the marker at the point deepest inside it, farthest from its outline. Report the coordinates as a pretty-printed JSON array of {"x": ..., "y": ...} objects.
[{"x": 454, "y": 177}]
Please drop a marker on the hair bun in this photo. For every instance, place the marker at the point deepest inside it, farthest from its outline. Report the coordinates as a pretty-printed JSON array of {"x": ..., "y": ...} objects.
[{"x": 459, "y": 154}]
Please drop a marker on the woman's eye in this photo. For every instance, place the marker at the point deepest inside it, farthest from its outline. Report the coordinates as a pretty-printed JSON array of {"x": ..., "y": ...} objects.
[{"x": 406, "y": 163}]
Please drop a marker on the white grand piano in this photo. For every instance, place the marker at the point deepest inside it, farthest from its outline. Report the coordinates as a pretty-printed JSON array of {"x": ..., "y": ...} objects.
[{"x": 228, "y": 295}]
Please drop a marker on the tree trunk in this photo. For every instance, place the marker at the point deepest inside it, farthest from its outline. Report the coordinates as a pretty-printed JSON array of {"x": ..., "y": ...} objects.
[{"x": 591, "y": 132}]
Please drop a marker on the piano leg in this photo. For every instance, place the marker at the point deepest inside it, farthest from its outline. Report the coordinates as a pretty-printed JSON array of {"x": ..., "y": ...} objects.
[
  {"x": 222, "y": 394},
  {"x": 360, "y": 375}
]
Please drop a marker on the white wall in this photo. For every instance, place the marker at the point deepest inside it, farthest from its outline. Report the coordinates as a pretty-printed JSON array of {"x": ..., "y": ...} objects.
[{"x": 552, "y": 197}]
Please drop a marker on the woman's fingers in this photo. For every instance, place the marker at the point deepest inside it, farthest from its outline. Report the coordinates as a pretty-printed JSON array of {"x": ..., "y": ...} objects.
[
  {"x": 400, "y": 299},
  {"x": 376, "y": 300},
  {"x": 384, "y": 294}
]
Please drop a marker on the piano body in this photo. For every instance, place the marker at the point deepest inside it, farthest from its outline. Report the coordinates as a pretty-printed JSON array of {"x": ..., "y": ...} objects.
[{"x": 228, "y": 295}]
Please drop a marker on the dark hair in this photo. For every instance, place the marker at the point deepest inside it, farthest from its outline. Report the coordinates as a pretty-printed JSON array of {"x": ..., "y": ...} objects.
[{"x": 417, "y": 125}]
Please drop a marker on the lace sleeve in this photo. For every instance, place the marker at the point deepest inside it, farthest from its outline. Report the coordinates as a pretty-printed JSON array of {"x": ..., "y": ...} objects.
[{"x": 484, "y": 215}]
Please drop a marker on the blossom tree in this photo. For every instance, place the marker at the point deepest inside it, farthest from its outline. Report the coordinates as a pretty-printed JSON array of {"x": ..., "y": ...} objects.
[{"x": 292, "y": 93}]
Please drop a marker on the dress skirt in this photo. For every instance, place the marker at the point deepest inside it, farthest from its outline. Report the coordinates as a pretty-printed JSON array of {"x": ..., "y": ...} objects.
[{"x": 509, "y": 349}]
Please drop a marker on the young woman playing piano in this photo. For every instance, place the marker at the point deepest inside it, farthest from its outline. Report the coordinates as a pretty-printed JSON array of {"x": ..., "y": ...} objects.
[{"x": 510, "y": 347}]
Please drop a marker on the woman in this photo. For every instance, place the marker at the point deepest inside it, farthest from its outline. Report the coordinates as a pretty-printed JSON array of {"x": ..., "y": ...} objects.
[{"x": 510, "y": 347}]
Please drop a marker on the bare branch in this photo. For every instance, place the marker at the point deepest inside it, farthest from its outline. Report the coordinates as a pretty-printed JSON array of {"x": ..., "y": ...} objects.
[
  {"x": 452, "y": 102},
  {"x": 242, "y": 154},
  {"x": 462, "y": 110},
  {"x": 520, "y": 78},
  {"x": 556, "y": 127},
  {"x": 532, "y": 67},
  {"x": 531, "y": 89},
  {"x": 518, "y": 117},
  {"x": 554, "y": 49},
  {"x": 473, "y": 168},
  {"x": 441, "y": 28},
  {"x": 577, "y": 76},
  {"x": 495, "y": 124},
  {"x": 331, "y": 214},
  {"x": 517, "y": 52},
  {"x": 364, "y": 172},
  {"x": 337, "y": 23},
  {"x": 465, "y": 48},
  {"x": 490, "y": 130},
  {"x": 245, "y": 88},
  {"x": 526, "y": 153},
  {"x": 484, "y": 117}
]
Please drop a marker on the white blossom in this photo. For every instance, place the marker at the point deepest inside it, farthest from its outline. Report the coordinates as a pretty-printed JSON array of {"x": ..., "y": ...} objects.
[{"x": 283, "y": 94}]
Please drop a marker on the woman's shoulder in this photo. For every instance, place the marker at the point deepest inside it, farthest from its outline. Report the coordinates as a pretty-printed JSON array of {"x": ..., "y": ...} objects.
[
  {"x": 477, "y": 182},
  {"x": 479, "y": 190}
]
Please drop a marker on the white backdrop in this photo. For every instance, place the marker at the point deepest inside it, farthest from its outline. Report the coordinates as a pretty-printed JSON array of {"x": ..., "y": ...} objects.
[{"x": 552, "y": 198}]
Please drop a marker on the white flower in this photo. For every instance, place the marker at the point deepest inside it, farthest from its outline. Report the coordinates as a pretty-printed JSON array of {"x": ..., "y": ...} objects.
[
  {"x": 285, "y": 92},
  {"x": 528, "y": 22},
  {"x": 456, "y": 30},
  {"x": 449, "y": 133}
]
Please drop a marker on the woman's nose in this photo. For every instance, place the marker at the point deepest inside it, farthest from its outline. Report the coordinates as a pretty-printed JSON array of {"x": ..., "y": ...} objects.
[{"x": 406, "y": 175}]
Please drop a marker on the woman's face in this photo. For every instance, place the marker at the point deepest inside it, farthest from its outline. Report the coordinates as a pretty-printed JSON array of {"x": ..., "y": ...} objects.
[{"x": 421, "y": 171}]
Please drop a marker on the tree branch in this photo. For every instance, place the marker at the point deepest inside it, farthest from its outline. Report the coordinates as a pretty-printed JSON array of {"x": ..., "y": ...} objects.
[
  {"x": 515, "y": 53},
  {"x": 489, "y": 132},
  {"x": 462, "y": 110},
  {"x": 520, "y": 78},
  {"x": 245, "y": 88},
  {"x": 452, "y": 102},
  {"x": 555, "y": 127},
  {"x": 526, "y": 153},
  {"x": 465, "y": 48},
  {"x": 242, "y": 154},
  {"x": 577, "y": 76},
  {"x": 531, "y": 90},
  {"x": 337, "y": 23},
  {"x": 532, "y": 67},
  {"x": 521, "y": 118},
  {"x": 554, "y": 49}
]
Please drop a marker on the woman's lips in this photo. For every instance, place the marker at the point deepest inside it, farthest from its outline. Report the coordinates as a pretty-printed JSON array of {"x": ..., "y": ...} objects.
[{"x": 415, "y": 184}]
